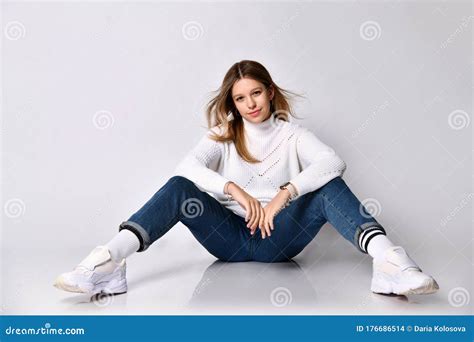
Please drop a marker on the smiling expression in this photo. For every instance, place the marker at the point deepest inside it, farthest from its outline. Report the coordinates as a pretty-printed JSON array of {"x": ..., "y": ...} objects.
[{"x": 252, "y": 99}]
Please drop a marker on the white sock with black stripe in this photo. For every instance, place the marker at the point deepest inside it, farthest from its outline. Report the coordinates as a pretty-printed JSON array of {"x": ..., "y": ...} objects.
[
  {"x": 374, "y": 242},
  {"x": 378, "y": 245},
  {"x": 122, "y": 245}
]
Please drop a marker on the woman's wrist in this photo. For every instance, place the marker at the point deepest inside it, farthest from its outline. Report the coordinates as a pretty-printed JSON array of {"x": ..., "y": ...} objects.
[
  {"x": 286, "y": 193},
  {"x": 290, "y": 190},
  {"x": 229, "y": 188},
  {"x": 226, "y": 188}
]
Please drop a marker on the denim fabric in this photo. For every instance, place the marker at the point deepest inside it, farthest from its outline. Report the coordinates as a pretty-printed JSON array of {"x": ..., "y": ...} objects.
[{"x": 225, "y": 235}]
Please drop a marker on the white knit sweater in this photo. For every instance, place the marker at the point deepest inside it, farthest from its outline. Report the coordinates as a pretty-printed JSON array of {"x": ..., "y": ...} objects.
[{"x": 286, "y": 150}]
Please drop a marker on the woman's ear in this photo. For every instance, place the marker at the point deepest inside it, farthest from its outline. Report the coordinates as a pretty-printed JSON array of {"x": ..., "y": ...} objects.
[{"x": 271, "y": 91}]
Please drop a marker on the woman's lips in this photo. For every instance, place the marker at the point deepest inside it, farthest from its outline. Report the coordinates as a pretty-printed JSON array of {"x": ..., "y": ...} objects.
[{"x": 255, "y": 113}]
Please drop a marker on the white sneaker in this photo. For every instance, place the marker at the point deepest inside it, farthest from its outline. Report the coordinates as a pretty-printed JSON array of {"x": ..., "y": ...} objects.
[
  {"x": 397, "y": 273},
  {"x": 96, "y": 273}
]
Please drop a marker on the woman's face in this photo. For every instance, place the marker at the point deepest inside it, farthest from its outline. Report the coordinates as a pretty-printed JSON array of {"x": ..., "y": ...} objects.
[{"x": 252, "y": 99}]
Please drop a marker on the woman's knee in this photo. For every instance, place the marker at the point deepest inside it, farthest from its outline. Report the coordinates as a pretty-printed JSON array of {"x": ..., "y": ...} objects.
[
  {"x": 179, "y": 182},
  {"x": 335, "y": 184},
  {"x": 181, "y": 186},
  {"x": 331, "y": 189}
]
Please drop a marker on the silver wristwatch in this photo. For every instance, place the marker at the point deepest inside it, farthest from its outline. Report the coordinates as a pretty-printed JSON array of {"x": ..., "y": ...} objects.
[{"x": 291, "y": 188}]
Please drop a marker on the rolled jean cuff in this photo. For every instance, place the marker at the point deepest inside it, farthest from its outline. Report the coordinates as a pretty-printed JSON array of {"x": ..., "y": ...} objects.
[
  {"x": 140, "y": 232},
  {"x": 366, "y": 227}
]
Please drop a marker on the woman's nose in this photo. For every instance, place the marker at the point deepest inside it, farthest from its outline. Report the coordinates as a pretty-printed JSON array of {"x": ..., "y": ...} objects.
[{"x": 251, "y": 103}]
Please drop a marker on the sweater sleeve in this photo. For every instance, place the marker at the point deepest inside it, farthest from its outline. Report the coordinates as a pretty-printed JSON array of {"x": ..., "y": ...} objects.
[
  {"x": 319, "y": 163},
  {"x": 199, "y": 165}
]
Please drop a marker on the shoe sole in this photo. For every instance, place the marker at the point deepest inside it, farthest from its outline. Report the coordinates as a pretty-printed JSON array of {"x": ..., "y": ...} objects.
[
  {"x": 112, "y": 287},
  {"x": 384, "y": 286}
]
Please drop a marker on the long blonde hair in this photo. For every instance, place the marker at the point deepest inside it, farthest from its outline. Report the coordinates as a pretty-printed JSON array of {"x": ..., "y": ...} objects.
[{"x": 222, "y": 105}]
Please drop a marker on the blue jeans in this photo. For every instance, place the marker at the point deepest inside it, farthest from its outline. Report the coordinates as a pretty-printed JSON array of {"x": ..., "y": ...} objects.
[{"x": 225, "y": 234}]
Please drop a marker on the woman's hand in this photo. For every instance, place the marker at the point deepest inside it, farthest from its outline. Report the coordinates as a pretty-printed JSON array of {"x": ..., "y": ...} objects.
[
  {"x": 271, "y": 210},
  {"x": 254, "y": 211}
]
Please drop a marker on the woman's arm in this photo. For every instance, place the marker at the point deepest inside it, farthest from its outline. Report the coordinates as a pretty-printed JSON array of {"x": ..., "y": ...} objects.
[
  {"x": 196, "y": 165},
  {"x": 319, "y": 162}
]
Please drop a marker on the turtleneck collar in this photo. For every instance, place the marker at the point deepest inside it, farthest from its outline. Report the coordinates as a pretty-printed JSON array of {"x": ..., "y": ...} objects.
[{"x": 263, "y": 127}]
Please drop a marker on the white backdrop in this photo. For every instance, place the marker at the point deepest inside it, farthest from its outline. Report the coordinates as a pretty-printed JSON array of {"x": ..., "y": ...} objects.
[{"x": 101, "y": 100}]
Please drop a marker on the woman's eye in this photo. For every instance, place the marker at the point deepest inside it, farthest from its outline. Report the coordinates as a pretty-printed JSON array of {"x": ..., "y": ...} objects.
[{"x": 258, "y": 92}]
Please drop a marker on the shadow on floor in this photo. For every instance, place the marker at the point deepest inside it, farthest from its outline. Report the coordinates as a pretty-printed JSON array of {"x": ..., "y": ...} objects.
[{"x": 253, "y": 284}]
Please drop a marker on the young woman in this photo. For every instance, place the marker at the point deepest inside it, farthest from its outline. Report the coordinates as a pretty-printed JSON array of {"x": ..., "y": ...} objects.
[{"x": 256, "y": 187}]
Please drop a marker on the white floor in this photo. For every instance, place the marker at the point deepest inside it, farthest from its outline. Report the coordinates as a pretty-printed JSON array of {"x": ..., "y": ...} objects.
[{"x": 177, "y": 276}]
